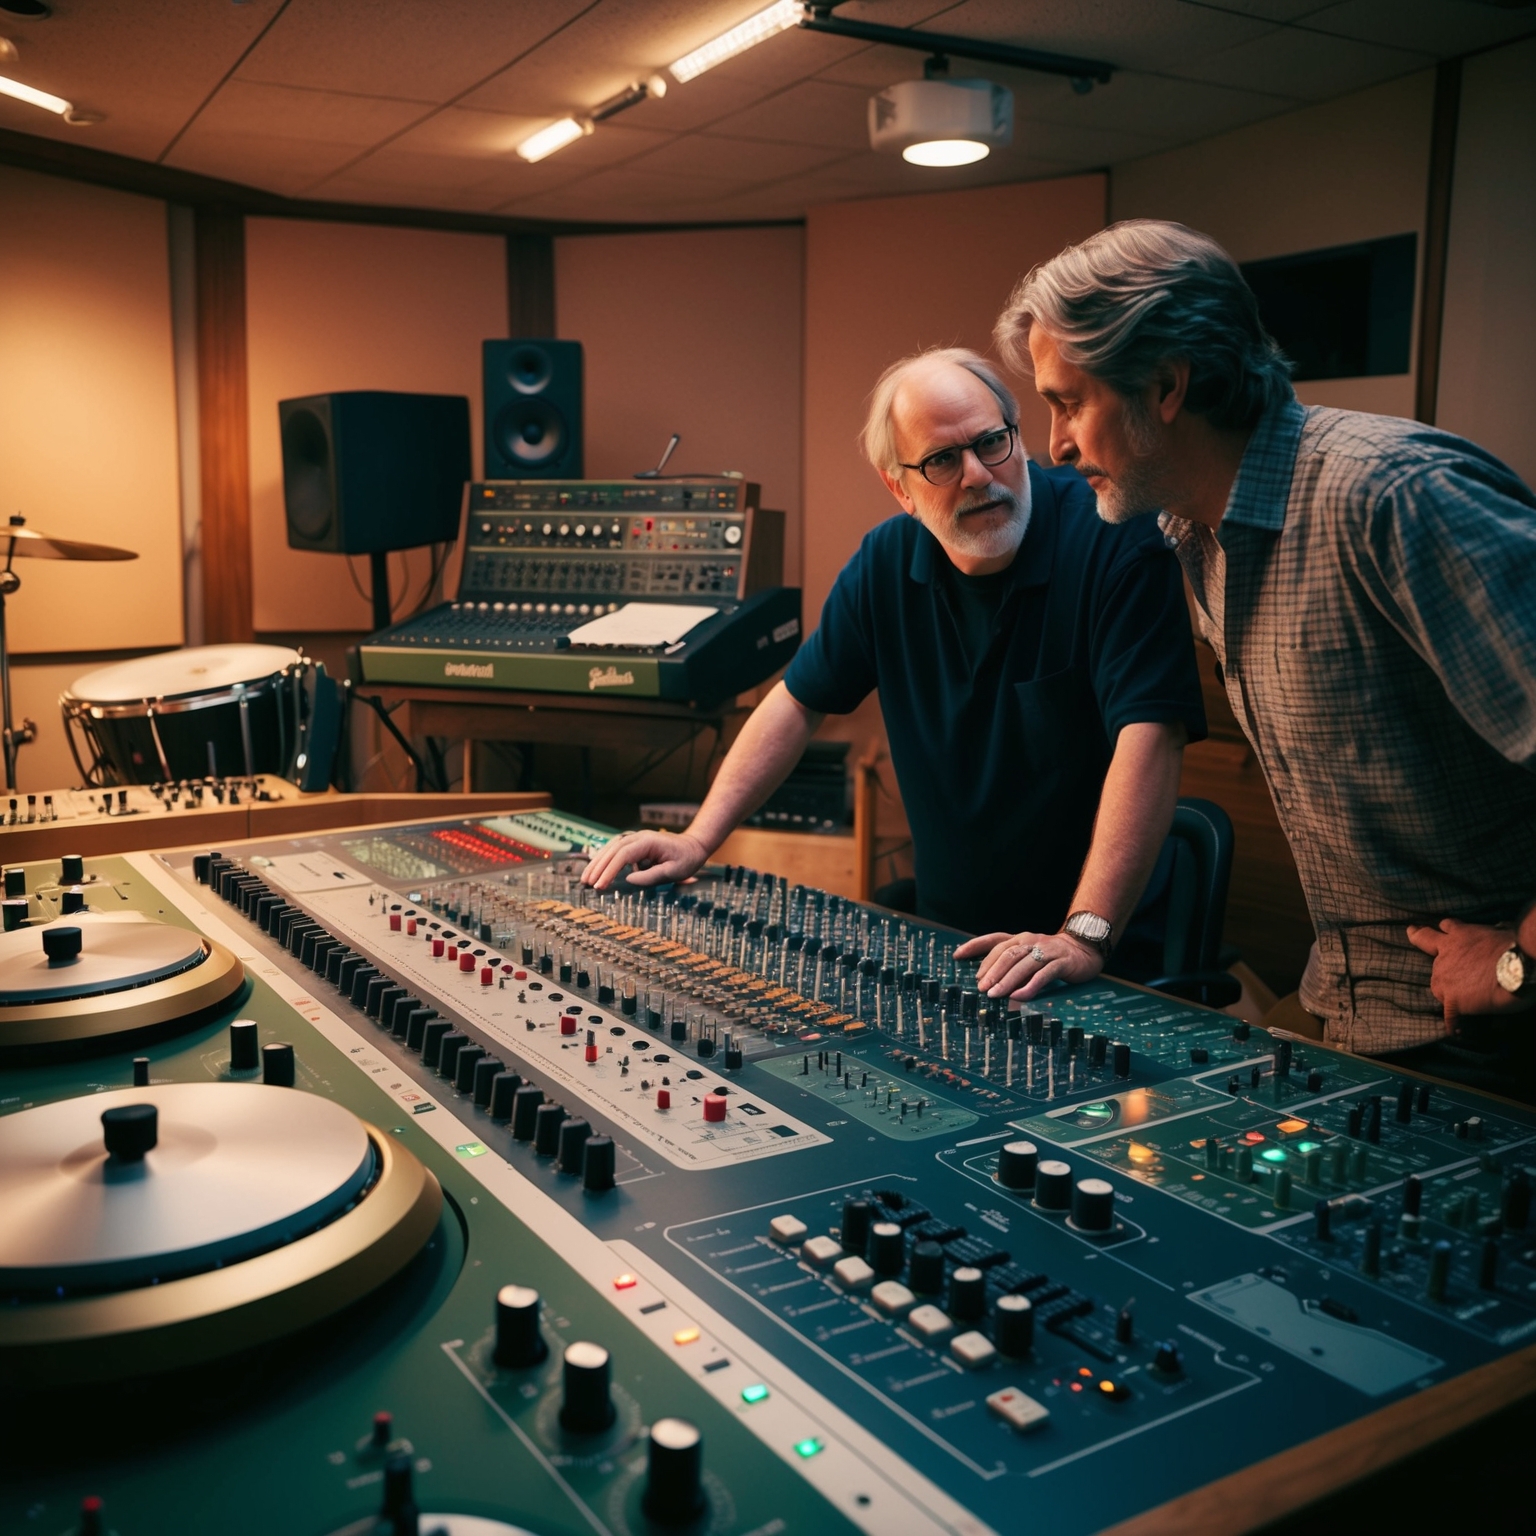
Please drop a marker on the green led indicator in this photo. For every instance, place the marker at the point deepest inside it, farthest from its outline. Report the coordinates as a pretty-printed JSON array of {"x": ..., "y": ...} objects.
[
  {"x": 1307, "y": 1146},
  {"x": 471, "y": 1149},
  {"x": 808, "y": 1447},
  {"x": 1273, "y": 1155},
  {"x": 755, "y": 1393}
]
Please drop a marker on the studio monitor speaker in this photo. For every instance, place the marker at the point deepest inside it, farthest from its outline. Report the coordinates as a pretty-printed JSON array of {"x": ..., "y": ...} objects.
[
  {"x": 366, "y": 471},
  {"x": 532, "y": 410}
]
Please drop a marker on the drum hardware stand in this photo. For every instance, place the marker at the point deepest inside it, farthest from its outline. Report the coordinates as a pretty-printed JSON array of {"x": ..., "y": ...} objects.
[{"x": 14, "y": 738}]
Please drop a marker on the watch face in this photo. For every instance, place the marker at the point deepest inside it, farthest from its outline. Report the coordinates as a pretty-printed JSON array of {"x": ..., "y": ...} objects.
[
  {"x": 1089, "y": 925},
  {"x": 1510, "y": 971}
]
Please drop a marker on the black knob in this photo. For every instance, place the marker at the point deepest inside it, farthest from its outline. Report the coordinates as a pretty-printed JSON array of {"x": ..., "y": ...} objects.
[
  {"x": 448, "y": 1048},
  {"x": 886, "y": 1248},
  {"x": 200, "y": 863},
  {"x": 13, "y": 913},
  {"x": 131, "y": 1131},
  {"x": 71, "y": 869},
  {"x": 1097, "y": 1046},
  {"x": 92, "y": 1522},
  {"x": 398, "y": 1511},
  {"x": 1198, "y": 1055},
  {"x": 1167, "y": 1359},
  {"x": 1241, "y": 1030},
  {"x": 1013, "y": 1326},
  {"x": 431, "y": 1038},
  {"x": 244, "y": 1046},
  {"x": 1322, "y": 1221},
  {"x": 926, "y": 1272},
  {"x": 1093, "y": 1205},
  {"x": 487, "y": 1069},
  {"x": 1053, "y": 1186},
  {"x": 1405, "y": 1103},
  {"x": 519, "y": 1342},
  {"x": 857, "y": 1215},
  {"x": 1515, "y": 1201},
  {"x": 1016, "y": 1164},
  {"x": 572, "y": 1144},
  {"x": 15, "y": 880},
  {"x": 597, "y": 1164},
  {"x": 526, "y": 1102},
  {"x": 967, "y": 1294},
  {"x": 72, "y": 900},
  {"x": 464, "y": 1066},
  {"x": 1283, "y": 1054},
  {"x": 674, "y": 1476},
  {"x": 503, "y": 1087},
  {"x": 141, "y": 1071},
  {"x": 587, "y": 1407},
  {"x": 277, "y": 1065},
  {"x": 61, "y": 943},
  {"x": 547, "y": 1120},
  {"x": 1122, "y": 1059},
  {"x": 1413, "y": 1194}
]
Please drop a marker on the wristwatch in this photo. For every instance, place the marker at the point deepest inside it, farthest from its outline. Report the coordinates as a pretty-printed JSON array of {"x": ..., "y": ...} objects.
[
  {"x": 1515, "y": 972},
  {"x": 1096, "y": 931}
]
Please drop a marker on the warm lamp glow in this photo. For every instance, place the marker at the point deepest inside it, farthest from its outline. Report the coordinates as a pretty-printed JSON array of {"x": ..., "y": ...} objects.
[
  {"x": 748, "y": 34},
  {"x": 946, "y": 152},
  {"x": 546, "y": 141}
]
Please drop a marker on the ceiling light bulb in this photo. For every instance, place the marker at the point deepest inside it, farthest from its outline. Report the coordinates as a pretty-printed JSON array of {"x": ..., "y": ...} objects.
[
  {"x": 33, "y": 97},
  {"x": 546, "y": 141},
  {"x": 946, "y": 152},
  {"x": 748, "y": 34}
]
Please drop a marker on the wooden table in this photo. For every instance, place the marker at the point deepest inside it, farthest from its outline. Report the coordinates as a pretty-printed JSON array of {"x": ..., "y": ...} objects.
[{"x": 566, "y": 719}]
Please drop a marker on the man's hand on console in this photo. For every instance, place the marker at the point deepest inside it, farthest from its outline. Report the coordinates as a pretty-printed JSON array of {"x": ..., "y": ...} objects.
[
  {"x": 657, "y": 857},
  {"x": 1464, "y": 979},
  {"x": 1022, "y": 965}
]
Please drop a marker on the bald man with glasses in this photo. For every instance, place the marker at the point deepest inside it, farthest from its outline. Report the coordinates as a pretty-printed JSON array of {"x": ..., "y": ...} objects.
[{"x": 1036, "y": 671}]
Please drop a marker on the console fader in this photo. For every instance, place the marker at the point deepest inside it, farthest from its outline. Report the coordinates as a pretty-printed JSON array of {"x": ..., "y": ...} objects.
[{"x": 739, "y": 1180}]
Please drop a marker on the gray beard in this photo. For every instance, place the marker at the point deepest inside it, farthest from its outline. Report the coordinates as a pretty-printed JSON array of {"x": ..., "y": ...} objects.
[
  {"x": 983, "y": 544},
  {"x": 1132, "y": 494}
]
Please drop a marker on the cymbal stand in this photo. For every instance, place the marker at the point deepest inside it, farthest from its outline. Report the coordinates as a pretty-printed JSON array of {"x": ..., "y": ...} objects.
[{"x": 12, "y": 738}]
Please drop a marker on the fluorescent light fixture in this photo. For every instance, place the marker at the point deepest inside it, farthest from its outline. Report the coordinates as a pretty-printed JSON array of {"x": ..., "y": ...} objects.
[
  {"x": 32, "y": 96},
  {"x": 945, "y": 152},
  {"x": 546, "y": 141},
  {"x": 748, "y": 34}
]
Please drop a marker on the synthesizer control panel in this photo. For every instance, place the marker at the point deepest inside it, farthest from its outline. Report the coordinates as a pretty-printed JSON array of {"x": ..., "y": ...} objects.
[{"x": 755, "y": 1216}]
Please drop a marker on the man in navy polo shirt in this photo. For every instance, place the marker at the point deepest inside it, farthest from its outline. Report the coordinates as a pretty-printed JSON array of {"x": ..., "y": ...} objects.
[{"x": 1036, "y": 673}]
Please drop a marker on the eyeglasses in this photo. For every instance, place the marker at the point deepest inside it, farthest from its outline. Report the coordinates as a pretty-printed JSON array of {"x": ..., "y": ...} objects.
[{"x": 945, "y": 466}]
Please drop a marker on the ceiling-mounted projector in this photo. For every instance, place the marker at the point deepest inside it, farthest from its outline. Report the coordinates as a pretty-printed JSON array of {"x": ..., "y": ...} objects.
[{"x": 942, "y": 122}]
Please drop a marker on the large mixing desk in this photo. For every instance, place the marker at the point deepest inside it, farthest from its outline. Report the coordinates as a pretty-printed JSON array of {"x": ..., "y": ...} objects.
[{"x": 387, "y": 1181}]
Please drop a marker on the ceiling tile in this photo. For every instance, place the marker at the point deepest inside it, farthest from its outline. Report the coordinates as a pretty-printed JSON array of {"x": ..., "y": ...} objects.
[
  {"x": 742, "y": 161},
  {"x": 1172, "y": 109},
  {"x": 288, "y": 166},
  {"x": 810, "y": 113},
  {"x": 400, "y": 47},
  {"x": 320, "y": 117},
  {"x": 1441, "y": 27},
  {"x": 1306, "y": 65},
  {"x": 147, "y": 68}
]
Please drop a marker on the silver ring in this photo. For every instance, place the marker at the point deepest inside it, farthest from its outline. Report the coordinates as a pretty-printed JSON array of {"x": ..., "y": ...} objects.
[{"x": 1036, "y": 953}]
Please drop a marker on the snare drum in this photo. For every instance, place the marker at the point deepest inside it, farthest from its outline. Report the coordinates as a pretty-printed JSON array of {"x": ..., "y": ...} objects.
[{"x": 201, "y": 712}]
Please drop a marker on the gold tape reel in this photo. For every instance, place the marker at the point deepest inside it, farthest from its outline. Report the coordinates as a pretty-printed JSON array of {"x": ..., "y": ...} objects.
[{"x": 202, "y": 1317}]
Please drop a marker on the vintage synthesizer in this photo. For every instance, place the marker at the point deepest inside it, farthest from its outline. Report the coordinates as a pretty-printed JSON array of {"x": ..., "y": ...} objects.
[
  {"x": 389, "y": 1181},
  {"x": 683, "y": 573}
]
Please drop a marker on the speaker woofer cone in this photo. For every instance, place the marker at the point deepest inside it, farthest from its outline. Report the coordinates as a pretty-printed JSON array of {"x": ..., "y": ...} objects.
[
  {"x": 531, "y": 433},
  {"x": 307, "y": 474}
]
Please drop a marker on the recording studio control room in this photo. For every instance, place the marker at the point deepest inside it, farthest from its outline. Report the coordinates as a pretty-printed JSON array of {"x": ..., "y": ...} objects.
[{"x": 770, "y": 768}]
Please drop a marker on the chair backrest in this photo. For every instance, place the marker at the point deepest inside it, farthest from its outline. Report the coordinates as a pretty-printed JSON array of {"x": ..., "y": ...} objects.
[{"x": 1197, "y": 886}]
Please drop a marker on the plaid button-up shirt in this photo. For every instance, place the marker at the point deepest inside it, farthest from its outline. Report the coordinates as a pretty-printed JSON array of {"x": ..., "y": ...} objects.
[{"x": 1371, "y": 595}]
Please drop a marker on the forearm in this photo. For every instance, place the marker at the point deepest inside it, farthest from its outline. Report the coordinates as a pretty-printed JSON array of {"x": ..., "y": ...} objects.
[
  {"x": 1135, "y": 813},
  {"x": 769, "y": 746}
]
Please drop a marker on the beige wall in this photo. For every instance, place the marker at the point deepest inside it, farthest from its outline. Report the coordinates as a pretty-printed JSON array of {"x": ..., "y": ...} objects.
[
  {"x": 1352, "y": 169},
  {"x": 697, "y": 332},
  {"x": 1488, "y": 370},
  {"x": 889, "y": 276},
  {"x": 348, "y": 306},
  {"x": 88, "y": 412}
]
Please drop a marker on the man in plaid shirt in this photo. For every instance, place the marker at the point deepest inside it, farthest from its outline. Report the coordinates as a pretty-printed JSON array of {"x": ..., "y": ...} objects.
[{"x": 1367, "y": 585}]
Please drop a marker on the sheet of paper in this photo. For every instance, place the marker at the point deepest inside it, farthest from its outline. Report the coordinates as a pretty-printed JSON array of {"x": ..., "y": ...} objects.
[{"x": 642, "y": 624}]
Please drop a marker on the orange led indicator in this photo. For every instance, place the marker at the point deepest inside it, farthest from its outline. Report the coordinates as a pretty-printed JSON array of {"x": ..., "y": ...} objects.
[
  {"x": 686, "y": 1336},
  {"x": 1290, "y": 1127},
  {"x": 1083, "y": 1370},
  {"x": 1253, "y": 1138}
]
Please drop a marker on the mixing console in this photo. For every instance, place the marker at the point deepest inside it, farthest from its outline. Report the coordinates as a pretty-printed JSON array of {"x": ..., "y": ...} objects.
[{"x": 736, "y": 1180}]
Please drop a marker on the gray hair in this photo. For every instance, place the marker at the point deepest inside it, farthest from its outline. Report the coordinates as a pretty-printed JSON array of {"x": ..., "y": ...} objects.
[
  {"x": 879, "y": 434},
  {"x": 1140, "y": 293}
]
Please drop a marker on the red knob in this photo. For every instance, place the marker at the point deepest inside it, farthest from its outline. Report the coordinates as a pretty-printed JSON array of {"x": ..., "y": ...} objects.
[
  {"x": 394, "y": 922},
  {"x": 567, "y": 1023},
  {"x": 714, "y": 1106},
  {"x": 663, "y": 1098},
  {"x": 466, "y": 960},
  {"x": 437, "y": 949}
]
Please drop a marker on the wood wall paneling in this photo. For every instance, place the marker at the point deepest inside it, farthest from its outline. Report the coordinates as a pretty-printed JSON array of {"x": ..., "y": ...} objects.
[
  {"x": 223, "y": 426},
  {"x": 344, "y": 306},
  {"x": 531, "y": 285},
  {"x": 1437, "y": 234}
]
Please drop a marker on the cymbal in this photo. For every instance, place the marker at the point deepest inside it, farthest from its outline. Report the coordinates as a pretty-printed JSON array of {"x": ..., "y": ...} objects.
[{"x": 17, "y": 540}]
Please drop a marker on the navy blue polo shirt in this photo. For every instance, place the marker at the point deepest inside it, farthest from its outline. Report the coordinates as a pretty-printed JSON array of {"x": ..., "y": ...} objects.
[{"x": 1001, "y": 755}]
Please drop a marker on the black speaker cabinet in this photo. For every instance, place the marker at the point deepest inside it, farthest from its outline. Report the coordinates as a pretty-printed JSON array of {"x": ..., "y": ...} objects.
[
  {"x": 532, "y": 410},
  {"x": 366, "y": 471}
]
